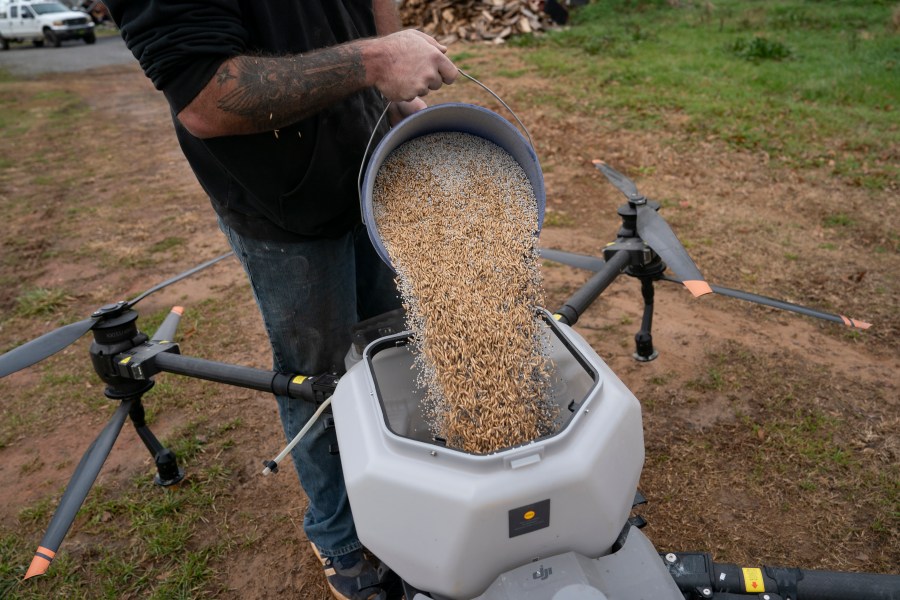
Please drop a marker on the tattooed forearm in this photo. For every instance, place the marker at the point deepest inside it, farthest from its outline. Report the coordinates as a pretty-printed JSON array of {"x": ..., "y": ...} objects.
[{"x": 272, "y": 92}]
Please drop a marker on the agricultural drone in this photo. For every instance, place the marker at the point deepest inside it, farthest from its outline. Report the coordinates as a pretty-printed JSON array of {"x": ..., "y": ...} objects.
[{"x": 550, "y": 520}]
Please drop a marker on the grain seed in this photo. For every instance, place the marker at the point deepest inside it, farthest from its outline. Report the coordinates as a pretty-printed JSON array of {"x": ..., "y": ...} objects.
[{"x": 458, "y": 217}]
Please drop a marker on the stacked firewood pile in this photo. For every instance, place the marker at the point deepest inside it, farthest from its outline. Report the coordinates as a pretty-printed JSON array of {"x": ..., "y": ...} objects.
[{"x": 475, "y": 20}]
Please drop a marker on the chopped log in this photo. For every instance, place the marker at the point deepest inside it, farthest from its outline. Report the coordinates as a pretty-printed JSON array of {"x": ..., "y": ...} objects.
[{"x": 492, "y": 21}]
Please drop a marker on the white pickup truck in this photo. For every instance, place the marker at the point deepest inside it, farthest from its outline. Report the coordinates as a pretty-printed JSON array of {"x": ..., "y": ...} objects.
[{"x": 43, "y": 21}]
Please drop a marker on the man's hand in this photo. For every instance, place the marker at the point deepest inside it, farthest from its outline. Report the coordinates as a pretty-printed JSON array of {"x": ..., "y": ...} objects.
[
  {"x": 400, "y": 110},
  {"x": 407, "y": 65}
]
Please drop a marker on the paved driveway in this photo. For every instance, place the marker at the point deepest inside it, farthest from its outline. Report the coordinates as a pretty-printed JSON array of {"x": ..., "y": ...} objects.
[{"x": 74, "y": 55}]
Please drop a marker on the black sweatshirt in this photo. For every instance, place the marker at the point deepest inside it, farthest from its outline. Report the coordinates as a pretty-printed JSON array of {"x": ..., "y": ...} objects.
[{"x": 300, "y": 183}]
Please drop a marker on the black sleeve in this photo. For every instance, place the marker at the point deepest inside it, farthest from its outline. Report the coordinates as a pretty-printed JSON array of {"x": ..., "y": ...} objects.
[{"x": 180, "y": 44}]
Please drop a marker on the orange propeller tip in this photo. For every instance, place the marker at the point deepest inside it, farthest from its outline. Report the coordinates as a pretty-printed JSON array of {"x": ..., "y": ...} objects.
[
  {"x": 698, "y": 287},
  {"x": 40, "y": 563},
  {"x": 597, "y": 161},
  {"x": 178, "y": 310},
  {"x": 854, "y": 323}
]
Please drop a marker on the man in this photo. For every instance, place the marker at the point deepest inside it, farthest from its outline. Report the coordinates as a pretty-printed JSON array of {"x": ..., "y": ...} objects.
[{"x": 274, "y": 102}]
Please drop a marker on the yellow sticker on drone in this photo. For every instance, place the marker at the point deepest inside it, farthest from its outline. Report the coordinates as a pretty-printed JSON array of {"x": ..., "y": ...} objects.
[
  {"x": 298, "y": 379},
  {"x": 125, "y": 360},
  {"x": 753, "y": 580}
]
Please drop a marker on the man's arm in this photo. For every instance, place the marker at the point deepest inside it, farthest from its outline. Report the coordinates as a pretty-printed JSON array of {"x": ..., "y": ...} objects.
[
  {"x": 252, "y": 94},
  {"x": 387, "y": 17}
]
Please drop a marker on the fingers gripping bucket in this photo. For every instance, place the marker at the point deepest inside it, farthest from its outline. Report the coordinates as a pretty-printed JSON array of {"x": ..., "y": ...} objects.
[{"x": 459, "y": 118}]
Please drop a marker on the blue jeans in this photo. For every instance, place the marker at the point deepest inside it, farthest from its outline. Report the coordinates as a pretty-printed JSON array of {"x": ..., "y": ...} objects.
[{"x": 310, "y": 293}]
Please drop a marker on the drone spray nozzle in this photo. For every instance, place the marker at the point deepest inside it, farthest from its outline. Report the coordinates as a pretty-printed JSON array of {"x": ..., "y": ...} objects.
[{"x": 272, "y": 465}]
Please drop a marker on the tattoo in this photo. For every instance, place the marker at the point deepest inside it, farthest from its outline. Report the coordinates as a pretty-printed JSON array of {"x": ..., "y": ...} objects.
[
  {"x": 224, "y": 75},
  {"x": 273, "y": 92}
]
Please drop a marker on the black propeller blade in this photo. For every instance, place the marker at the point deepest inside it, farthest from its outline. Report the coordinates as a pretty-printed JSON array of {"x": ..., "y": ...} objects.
[
  {"x": 781, "y": 304},
  {"x": 76, "y": 492},
  {"x": 50, "y": 343},
  {"x": 590, "y": 263},
  {"x": 177, "y": 278},
  {"x": 40, "y": 348},
  {"x": 657, "y": 234}
]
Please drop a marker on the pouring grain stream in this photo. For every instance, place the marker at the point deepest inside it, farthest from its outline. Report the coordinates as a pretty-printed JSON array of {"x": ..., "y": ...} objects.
[{"x": 458, "y": 218}]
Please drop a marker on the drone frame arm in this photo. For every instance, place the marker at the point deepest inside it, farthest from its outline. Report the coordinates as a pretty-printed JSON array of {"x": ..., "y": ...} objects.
[
  {"x": 312, "y": 388},
  {"x": 591, "y": 290},
  {"x": 698, "y": 576}
]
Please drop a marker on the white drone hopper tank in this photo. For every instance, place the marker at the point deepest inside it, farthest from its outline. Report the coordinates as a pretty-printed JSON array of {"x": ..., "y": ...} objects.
[{"x": 450, "y": 522}]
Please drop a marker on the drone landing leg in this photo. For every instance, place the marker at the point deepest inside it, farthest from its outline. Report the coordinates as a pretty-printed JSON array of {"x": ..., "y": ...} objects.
[
  {"x": 77, "y": 490},
  {"x": 168, "y": 472},
  {"x": 643, "y": 339}
]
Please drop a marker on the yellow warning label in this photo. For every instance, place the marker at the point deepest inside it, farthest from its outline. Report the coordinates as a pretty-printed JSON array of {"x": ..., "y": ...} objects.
[
  {"x": 298, "y": 379},
  {"x": 125, "y": 360},
  {"x": 753, "y": 580}
]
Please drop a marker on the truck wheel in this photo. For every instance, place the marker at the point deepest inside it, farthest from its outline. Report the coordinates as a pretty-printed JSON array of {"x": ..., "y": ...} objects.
[
  {"x": 52, "y": 38},
  {"x": 37, "y": 43},
  {"x": 5, "y": 42},
  {"x": 90, "y": 38}
]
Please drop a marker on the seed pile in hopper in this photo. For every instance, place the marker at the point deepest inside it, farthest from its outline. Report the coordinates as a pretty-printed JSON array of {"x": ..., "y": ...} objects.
[{"x": 458, "y": 216}]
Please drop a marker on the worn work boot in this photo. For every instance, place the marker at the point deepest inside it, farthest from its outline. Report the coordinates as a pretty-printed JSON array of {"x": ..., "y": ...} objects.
[{"x": 355, "y": 576}]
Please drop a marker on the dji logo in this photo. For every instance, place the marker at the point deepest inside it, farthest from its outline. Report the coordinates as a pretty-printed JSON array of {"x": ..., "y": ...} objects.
[{"x": 542, "y": 573}]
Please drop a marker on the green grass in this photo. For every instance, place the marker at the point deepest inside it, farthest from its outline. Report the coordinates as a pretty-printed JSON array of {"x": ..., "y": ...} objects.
[
  {"x": 54, "y": 112},
  {"x": 167, "y": 244},
  {"x": 39, "y": 302},
  {"x": 556, "y": 218},
  {"x": 759, "y": 48},
  {"x": 153, "y": 545},
  {"x": 837, "y": 220},
  {"x": 812, "y": 84}
]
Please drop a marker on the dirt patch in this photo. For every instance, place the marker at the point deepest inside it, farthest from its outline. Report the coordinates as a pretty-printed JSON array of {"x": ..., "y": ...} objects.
[{"x": 734, "y": 387}]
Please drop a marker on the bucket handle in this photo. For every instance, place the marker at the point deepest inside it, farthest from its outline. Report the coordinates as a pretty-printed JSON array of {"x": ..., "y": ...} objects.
[
  {"x": 384, "y": 112},
  {"x": 505, "y": 105}
]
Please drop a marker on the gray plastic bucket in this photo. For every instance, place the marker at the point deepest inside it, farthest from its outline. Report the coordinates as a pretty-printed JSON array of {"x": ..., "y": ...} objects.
[{"x": 451, "y": 117}]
